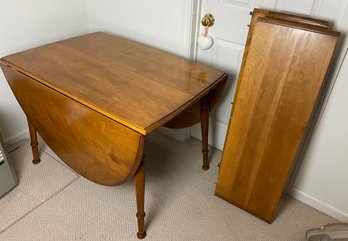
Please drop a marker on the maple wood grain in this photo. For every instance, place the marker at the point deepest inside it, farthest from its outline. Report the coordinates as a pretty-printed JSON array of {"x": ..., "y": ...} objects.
[
  {"x": 133, "y": 84},
  {"x": 34, "y": 143},
  {"x": 192, "y": 115},
  {"x": 283, "y": 73},
  {"x": 139, "y": 180},
  {"x": 96, "y": 147},
  {"x": 94, "y": 99},
  {"x": 260, "y": 13}
]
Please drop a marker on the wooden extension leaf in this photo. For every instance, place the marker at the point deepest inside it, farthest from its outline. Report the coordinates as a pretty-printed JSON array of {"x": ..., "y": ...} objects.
[{"x": 282, "y": 74}]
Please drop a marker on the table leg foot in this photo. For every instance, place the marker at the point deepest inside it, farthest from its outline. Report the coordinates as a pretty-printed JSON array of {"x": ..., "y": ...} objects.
[
  {"x": 141, "y": 236},
  {"x": 205, "y": 107},
  {"x": 34, "y": 143},
  {"x": 140, "y": 193},
  {"x": 141, "y": 233},
  {"x": 205, "y": 167}
]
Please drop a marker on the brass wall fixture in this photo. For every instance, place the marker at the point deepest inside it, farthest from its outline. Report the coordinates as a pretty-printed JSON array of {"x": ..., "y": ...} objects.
[
  {"x": 204, "y": 41},
  {"x": 208, "y": 20}
]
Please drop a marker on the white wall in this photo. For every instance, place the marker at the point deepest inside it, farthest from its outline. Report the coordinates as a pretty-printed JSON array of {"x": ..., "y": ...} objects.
[
  {"x": 323, "y": 177},
  {"x": 161, "y": 23},
  {"x": 26, "y": 24}
]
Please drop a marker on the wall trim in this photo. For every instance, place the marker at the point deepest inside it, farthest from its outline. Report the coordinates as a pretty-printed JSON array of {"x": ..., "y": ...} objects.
[
  {"x": 216, "y": 128},
  {"x": 181, "y": 135},
  {"x": 319, "y": 205},
  {"x": 195, "y": 28},
  {"x": 17, "y": 137}
]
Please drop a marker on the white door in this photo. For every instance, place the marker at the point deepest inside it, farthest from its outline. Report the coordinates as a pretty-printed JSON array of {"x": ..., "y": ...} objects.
[{"x": 229, "y": 33}]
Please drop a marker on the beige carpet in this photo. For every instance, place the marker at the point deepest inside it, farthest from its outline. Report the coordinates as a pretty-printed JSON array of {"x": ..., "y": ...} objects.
[{"x": 54, "y": 203}]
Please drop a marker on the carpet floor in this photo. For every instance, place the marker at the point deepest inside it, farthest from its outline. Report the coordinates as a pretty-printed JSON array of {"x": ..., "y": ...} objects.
[{"x": 52, "y": 202}]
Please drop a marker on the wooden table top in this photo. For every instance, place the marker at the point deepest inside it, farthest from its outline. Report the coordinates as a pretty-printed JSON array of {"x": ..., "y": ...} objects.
[{"x": 133, "y": 84}]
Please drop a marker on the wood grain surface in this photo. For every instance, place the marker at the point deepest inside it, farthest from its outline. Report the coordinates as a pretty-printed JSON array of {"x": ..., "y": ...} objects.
[
  {"x": 125, "y": 88},
  {"x": 289, "y": 17},
  {"x": 192, "y": 115},
  {"x": 261, "y": 13},
  {"x": 94, "y": 99},
  {"x": 135, "y": 85},
  {"x": 284, "y": 70},
  {"x": 96, "y": 147}
]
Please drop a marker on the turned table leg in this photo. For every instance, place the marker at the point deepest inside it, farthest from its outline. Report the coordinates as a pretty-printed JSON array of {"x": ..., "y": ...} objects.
[
  {"x": 140, "y": 192},
  {"x": 34, "y": 144},
  {"x": 205, "y": 108}
]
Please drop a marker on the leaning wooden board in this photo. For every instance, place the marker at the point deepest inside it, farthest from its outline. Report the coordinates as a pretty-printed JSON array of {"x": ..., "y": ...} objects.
[{"x": 281, "y": 77}]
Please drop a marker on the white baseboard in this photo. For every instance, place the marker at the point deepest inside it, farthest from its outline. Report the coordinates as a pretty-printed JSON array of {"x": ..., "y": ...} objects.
[
  {"x": 16, "y": 138},
  {"x": 216, "y": 135},
  {"x": 319, "y": 205},
  {"x": 178, "y": 134}
]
